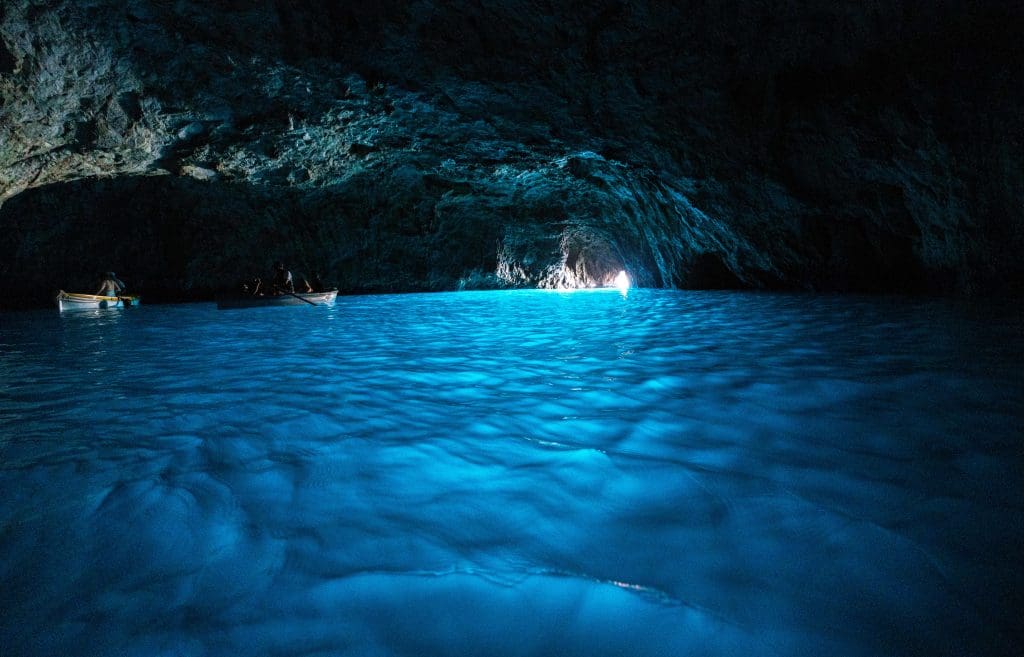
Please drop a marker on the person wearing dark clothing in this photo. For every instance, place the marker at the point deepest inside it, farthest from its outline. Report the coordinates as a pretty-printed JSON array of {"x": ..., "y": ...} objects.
[
  {"x": 317, "y": 283},
  {"x": 282, "y": 282}
]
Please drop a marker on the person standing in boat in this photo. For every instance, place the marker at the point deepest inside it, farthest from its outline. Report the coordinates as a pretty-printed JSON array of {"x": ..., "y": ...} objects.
[
  {"x": 110, "y": 286},
  {"x": 282, "y": 282}
]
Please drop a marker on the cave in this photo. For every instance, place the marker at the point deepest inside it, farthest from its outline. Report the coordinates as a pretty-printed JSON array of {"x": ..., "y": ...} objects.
[
  {"x": 511, "y": 328},
  {"x": 854, "y": 162}
]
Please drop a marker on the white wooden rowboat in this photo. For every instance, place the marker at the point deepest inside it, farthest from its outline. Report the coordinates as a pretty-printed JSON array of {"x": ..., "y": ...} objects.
[{"x": 75, "y": 301}]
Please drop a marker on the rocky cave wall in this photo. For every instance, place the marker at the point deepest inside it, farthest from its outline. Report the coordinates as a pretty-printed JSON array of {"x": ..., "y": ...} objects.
[{"x": 425, "y": 146}]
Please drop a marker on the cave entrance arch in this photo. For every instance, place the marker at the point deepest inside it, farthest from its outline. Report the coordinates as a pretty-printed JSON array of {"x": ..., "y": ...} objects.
[{"x": 591, "y": 260}]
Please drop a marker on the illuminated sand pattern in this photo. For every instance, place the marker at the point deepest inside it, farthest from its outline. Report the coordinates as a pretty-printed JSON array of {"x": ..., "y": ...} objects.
[{"x": 516, "y": 473}]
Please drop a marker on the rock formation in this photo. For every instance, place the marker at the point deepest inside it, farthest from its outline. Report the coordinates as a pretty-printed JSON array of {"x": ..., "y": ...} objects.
[{"x": 427, "y": 146}]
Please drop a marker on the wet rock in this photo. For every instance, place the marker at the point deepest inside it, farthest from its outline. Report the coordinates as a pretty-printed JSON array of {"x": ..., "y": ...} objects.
[
  {"x": 361, "y": 149},
  {"x": 297, "y": 176},
  {"x": 191, "y": 131},
  {"x": 438, "y": 181},
  {"x": 199, "y": 173}
]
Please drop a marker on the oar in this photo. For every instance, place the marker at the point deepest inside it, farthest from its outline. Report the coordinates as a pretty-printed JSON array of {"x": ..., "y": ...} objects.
[{"x": 301, "y": 299}]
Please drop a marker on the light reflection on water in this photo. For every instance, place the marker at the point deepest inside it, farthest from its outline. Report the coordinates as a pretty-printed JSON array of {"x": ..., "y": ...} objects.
[{"x": 514, "y": 473}]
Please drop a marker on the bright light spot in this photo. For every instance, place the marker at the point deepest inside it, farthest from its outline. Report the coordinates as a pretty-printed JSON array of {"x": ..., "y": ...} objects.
[{"x": 622, "y": 281}]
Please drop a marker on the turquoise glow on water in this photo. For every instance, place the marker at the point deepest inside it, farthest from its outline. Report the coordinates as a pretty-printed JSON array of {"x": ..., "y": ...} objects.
[{"x": 514, "y": 473}]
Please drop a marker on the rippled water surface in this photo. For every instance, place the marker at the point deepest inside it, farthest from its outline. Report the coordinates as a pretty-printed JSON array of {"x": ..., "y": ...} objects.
[{"x": 514, "y": 473}]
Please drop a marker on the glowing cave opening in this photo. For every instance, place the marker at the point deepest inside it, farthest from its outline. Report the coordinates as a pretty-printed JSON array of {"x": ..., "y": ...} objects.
[{"x": 590, "y": 261}]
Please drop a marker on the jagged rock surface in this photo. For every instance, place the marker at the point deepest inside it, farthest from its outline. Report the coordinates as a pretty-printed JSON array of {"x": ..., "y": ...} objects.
[{"x": 410, "y": 146}]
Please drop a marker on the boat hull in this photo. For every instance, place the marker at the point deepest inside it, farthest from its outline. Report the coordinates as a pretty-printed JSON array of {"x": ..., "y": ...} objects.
[
  {"x": 297, "y": 299},
  {"x": 76, "y": 301}
]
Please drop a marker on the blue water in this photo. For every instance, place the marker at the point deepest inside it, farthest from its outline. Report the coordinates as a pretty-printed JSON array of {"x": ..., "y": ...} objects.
[{"x": 514, "y": 473}]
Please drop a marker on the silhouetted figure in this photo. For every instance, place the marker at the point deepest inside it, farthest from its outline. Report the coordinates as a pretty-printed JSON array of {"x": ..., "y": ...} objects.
[
  {"x": 252, "y": 288},
  {"x": 110, "y": 285},
  {"x": 317, "y": 283},
  {"x": 282, "y": 282}
]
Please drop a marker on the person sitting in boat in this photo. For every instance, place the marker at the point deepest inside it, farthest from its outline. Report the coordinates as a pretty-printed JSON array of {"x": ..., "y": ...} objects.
[
  {"x": 282, "y": 282},
  {"x": 317, "y": 284},
  {"x": 110, "y": 286},
  {"x": 252, "y": 288}
]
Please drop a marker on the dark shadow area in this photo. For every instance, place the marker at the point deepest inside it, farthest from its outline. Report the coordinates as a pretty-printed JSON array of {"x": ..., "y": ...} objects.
[
  {"x": 708, "y": 272},
  {"x": 7, "y": 60},
  {"x": 175, "y": 238}
]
